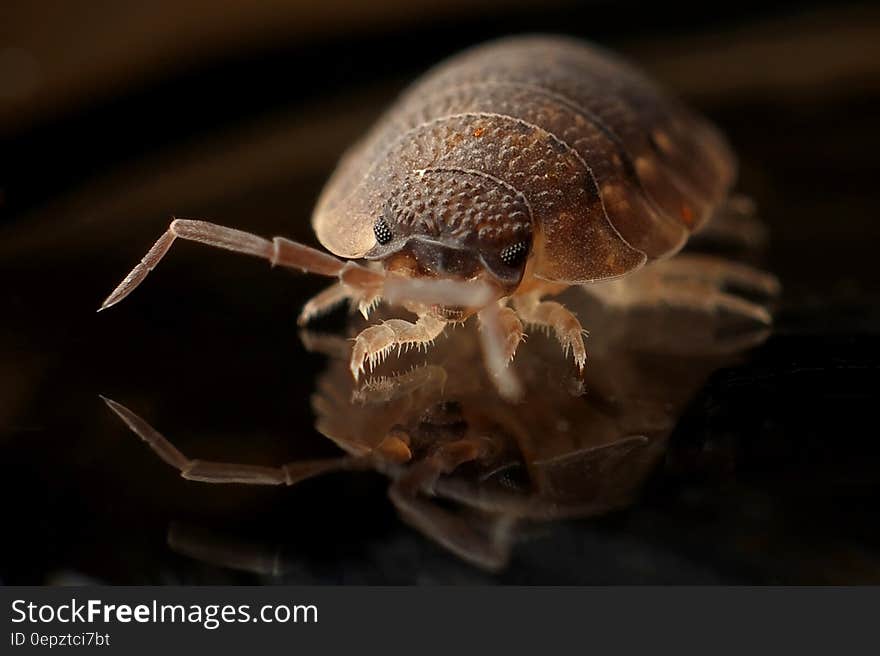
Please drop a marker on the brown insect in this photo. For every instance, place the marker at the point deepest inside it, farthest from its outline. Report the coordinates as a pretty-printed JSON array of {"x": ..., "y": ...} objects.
[{"x": 506, "y": 174}]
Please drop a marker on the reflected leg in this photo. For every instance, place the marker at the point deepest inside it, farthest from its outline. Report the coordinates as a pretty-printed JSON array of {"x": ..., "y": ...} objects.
[
  {"x": 225, "y": 550},
  {"x": 225, "y": 472},
  {"x": 333, "y": 346}
]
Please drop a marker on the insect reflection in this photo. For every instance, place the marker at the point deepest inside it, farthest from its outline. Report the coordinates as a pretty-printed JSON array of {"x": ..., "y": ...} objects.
[{"x": 468, "y": 468}]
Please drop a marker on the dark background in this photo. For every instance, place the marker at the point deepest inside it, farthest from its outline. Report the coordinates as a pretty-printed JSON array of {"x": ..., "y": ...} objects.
[{"x": 114, "y": 117}]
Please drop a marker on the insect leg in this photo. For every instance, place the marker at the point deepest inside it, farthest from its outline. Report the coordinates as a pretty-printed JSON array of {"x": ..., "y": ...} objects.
[
  {"x": 232, "y": 552},
  {"x": 482, "y": 540},
  {"x": 427, "y": 380},
  {"x": 279, "y": 251},
  {"x": 500, "y": 333},
  {"x": 555, "y": 316},
  {"x": 374, "y": 343},
  {"x": 365, "y": 299},
  {"x": 226, "y": 472},
  {"x": 327, "y": 344},
  {"x": 733, "y": 227},
  {"x": 513, "y": 330},
  {"x": 698, "y": 282},
  {"x": 719, "y": 273},
  {"x": 323, "y": 302}
]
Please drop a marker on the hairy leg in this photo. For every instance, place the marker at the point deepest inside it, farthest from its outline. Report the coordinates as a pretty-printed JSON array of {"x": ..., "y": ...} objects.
[
  {"x": 373, "y": 344},
  {"x": 323, "y": 302},
  {"x": 428, "y": 379},
  {"x": 554, "y": 316},
  {"x": 364, "y": 299}
]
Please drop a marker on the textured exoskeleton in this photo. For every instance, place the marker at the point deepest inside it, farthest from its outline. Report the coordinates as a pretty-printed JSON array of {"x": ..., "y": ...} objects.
[{"x": 505, "y": 174}]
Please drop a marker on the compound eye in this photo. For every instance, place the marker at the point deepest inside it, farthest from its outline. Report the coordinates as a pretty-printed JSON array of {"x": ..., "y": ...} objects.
[
  {"x": 515, "y": 253},
  {"x": 382, "y": 231}
]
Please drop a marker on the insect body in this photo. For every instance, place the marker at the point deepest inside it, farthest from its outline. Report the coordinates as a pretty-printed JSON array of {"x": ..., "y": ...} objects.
[{"x": 506, "y": 174}]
